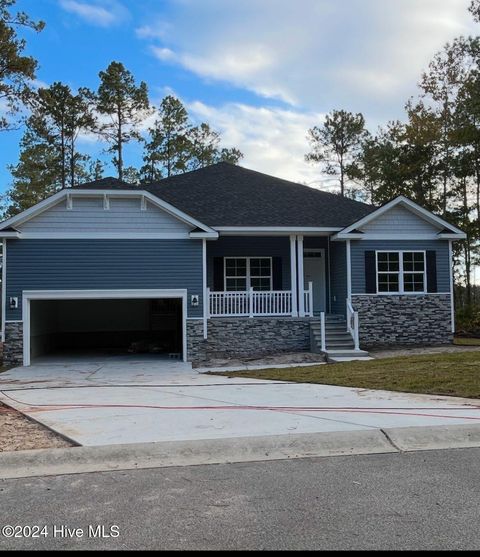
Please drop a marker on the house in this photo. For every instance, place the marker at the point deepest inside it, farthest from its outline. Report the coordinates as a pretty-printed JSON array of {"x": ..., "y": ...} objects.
[{"x": 223, "y": 261}]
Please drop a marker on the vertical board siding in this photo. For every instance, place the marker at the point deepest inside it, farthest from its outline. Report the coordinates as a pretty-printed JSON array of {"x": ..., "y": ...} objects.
[
  {"x": 246, "y": 246},
  {"x": 104, "y": 264},
  {"x": 88, "y": 214},
  {"x": 338, "y": 276},
  {"x": 399, "y": 219},
  {"x": 359, "y": 247}
]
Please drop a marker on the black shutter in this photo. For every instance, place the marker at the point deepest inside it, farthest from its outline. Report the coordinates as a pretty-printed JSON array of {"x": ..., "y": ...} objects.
[
  {"x": 431, "y": 271},
  {"x": 277, "y": 282},
  {"x": 218, "y": 278},
  {"x": 370, "y": 272}
]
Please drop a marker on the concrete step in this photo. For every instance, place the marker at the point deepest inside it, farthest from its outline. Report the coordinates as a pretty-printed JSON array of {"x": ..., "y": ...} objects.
[
  {"x": 338, "y": 359},
  {"x": 340, "y": 346},
  {"x": 334, "y": 317},
  {"x": 338, "y": 336},
  {"x": 346, "y": 355}
]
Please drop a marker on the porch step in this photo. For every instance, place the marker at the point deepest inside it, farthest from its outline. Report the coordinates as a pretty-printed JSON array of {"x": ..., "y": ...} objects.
[
  {"x": 334, "y": 356},
  {"x": 339, "y": 344}
]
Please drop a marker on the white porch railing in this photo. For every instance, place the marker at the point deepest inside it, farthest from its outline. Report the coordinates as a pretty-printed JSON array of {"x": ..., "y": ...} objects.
[
  {"x": 254, "y": 303},
  {"x": 308, "y": 300},
  {"x": 352, "y": 323}
]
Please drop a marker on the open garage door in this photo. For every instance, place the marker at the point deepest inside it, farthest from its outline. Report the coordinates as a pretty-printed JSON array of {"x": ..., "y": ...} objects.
[{"x": 103, "y": 326}]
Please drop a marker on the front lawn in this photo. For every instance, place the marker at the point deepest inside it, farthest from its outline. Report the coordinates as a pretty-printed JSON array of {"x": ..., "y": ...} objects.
[
  {"x": 461, "y": 341},
  {"x": 455, "y": 374}
]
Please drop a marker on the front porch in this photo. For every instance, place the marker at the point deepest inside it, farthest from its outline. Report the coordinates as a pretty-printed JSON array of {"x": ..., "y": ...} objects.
[
  {"x": 291, "y": 278},
  {"x": 256, "y": 276}
]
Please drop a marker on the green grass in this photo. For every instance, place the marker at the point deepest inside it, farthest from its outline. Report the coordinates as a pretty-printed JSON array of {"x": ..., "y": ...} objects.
[
  {"x": 454, "y": 374},
  {"x": 460, "y": 341}
]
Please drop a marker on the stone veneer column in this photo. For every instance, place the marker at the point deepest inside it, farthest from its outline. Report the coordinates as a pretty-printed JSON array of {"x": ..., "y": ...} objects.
[{"x": 13, "y": 345}]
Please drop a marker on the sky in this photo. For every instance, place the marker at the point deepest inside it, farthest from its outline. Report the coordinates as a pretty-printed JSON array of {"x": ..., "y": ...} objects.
[{"x": 261, "y": 72}]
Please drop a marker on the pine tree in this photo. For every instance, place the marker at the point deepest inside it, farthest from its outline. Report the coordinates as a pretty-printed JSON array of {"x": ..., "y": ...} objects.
[
  {"x": 124, "y": 105},
  {"x": 336, "y": 143},
  {"x": 167, "y": 150},
  {"x": 16, "y": 70}
]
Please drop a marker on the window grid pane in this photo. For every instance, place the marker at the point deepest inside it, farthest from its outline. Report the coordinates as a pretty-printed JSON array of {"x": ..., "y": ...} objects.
[
  {"x": 237, "y": 277},
  {"x": 410, "y": 268}
]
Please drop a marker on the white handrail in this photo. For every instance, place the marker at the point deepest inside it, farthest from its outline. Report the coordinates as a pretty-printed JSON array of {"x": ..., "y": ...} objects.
[
  {"x": 250, "y": 303},
  {"x": 353, "y": 324},
  {"x": 322, "y": 332}
]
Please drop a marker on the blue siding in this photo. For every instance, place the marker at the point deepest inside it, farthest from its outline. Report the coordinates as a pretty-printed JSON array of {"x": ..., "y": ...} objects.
[
  {"x": 103, "y": 264},
  {"x": 338, "y": 276},
  {"x": 358, "y": 249},
  {"x": 246, "y": 246}
]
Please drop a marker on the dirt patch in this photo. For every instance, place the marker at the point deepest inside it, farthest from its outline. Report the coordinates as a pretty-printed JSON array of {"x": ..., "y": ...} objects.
[
  {"x": 18, "y": 433},
  {"x": 274, "y": 359},
  {"x": 418, "y": 351}
]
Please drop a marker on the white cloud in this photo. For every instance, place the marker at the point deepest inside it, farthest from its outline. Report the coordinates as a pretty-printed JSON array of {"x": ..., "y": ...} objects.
[
  {"x": 273, "y": 140},
  {"x": 363, "y": 55},
  {"x": 101, "y": 13}
]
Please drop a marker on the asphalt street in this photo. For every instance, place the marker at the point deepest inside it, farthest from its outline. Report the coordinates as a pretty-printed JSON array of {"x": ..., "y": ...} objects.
[{"x": 421, "y": 500}]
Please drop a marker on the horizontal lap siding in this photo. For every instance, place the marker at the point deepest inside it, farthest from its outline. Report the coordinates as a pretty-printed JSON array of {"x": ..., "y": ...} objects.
[
  {"x": 358, "y": 249},
  {"x": 103, "y": 264},
  {"x": 88, "y": 214},
  {"x": 235, "y": 246}
]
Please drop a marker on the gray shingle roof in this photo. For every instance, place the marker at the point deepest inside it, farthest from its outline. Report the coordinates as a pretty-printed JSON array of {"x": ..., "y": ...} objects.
[{"x": 228, "y": 195}]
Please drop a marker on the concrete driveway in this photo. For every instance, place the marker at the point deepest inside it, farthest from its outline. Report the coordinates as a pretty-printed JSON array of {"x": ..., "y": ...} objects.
[{"x": 99, "y": 401}]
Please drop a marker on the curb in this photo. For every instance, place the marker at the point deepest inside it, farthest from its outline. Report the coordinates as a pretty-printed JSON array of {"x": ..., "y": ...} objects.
[{"x": 78, "y": 460}]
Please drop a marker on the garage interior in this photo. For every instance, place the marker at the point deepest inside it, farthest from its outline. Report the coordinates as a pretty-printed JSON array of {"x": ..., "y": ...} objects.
[{"x": 106, "y": 326}]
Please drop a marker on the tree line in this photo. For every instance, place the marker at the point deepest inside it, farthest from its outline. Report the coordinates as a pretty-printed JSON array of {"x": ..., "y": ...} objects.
[
  {"x": 117, "y": 113},
  {"x": 432, "y": 156}
]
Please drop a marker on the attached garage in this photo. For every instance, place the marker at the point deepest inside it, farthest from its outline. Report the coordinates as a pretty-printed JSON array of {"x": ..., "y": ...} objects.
[{"x": 104, "y": 322}]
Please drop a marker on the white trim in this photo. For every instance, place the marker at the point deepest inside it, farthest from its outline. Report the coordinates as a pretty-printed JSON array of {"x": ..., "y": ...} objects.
[
  {"x": 4, "y": 287},
  {"x": 105, "y": 235},
  {"x": 289, "y": 229},
  {"x": 9, "y": 234},
  {"x": 206, "y": 297},
  {"x": 143, "y": 203},
  {"x": 29, "y": 295},
  {"x": 407, "y": 236},
  {"x": 349, "y": 269},
  {"x": 208, "y": 235},
  {"x": 301, "y": 278},
  {"x": 412, "y": 206},
  {"x": 452, "y": 294},
  {"x": 55, "y": 198},
  {"x": 293, "y": 274},
  {"x": 106, "y": 202},
  {"x": 69, "y": 202},
  {"x": 402, "y": 272}
]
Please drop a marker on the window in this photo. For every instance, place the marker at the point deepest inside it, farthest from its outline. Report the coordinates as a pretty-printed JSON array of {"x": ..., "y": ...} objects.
[
  {"x": 400, "y": 272},
  {"x": 242, "y": 273}
]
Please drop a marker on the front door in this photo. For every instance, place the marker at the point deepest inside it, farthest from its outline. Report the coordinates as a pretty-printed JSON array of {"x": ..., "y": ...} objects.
[{"x": 314, "y": 271}]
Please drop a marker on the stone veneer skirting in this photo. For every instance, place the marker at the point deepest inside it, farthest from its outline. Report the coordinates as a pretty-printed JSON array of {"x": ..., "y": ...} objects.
[
  {"x": 247, "y": 337},
  {"x": 13, "y": 345},
  {"x": 397, "y": 320}
]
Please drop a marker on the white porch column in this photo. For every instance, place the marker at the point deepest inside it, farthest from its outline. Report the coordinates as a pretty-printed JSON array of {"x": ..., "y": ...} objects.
[
  {"x": 206, "y": 292},
  {"x": 294, "y": 274},
  {"x": 301, "y": 279},
  {"x": 349, "y": 271}
]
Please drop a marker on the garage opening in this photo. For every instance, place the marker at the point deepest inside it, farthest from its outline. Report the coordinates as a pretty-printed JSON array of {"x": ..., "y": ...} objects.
[{"x": 107, "y": 327}]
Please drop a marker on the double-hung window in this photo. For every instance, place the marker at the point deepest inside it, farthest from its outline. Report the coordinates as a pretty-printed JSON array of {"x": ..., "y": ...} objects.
[
  {"x": 401, "y": 272},
  {"x": 243, "y": 273}
]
